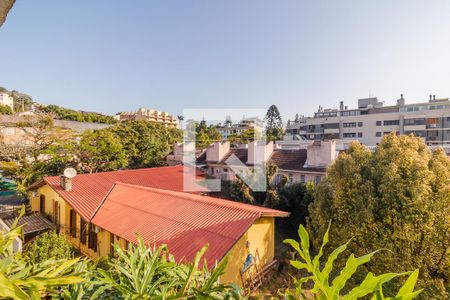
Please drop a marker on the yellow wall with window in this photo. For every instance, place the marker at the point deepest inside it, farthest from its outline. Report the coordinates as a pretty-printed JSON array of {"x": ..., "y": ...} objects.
[{"x": 259, "y": 239}]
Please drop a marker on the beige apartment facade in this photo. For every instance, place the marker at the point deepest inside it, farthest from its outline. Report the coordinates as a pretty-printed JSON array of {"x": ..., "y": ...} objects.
[
  {"x": 372, "y": 120},
  {"x": 150, "y": 115}
]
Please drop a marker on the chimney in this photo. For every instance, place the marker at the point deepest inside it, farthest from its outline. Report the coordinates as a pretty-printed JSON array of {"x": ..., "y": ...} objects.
[
  {"x": 178, "y": 149},
  {"x": 65, "y": 183},
  {"x": 341, "y": 105},
  {"x": 434, "y": 97},
  {"x": 431, "y": 97},
  {"x": 259, "y": 152},
  {"x": 320, "y": 153},
  {"x": 215, "y": 152}
]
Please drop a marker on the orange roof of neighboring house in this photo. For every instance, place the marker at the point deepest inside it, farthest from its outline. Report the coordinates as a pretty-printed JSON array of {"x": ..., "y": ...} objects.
[
  {"x": 89, "y": 190},
  {"x": 184, "y": 222}
]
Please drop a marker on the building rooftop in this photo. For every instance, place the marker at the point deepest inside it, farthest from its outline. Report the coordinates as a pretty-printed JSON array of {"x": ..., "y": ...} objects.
[
  {"x": 33, "y": 223},
  {"x": 184, "y": 222},
  {"x": 89, "y": 190}
]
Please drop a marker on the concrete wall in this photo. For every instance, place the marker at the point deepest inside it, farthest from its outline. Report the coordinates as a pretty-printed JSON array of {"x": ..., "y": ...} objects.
[
  {"x": 321, "y": 153},
  {"x": 259, "y": 152},
  {"x": 217, "y": 151}
]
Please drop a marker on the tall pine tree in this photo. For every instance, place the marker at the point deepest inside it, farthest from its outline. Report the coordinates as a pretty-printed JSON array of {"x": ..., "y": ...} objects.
[{"x": 274, "y": 124}]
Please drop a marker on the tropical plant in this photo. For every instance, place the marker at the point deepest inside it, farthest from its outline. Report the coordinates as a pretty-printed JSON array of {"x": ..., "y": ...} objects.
[
  {"x": 319, "y": 274},
  {"x": 22, "y": 280},
  {"x": 143, "y": 272}
]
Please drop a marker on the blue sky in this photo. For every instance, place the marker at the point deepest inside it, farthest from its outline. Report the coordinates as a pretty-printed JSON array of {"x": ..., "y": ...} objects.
[{"x": 112, "y": 56}]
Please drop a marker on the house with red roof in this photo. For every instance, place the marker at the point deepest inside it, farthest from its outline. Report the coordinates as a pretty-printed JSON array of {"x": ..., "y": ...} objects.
[{"x": 96, "y": 211}]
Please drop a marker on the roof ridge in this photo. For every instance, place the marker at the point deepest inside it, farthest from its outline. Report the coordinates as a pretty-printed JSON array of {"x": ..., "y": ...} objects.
[
  {"x": 167, "y": 218},
  {"x": 117, "y": 171},
  {"x": 262, "y": 211}
]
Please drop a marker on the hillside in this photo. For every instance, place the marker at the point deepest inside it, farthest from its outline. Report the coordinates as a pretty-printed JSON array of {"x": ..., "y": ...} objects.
[{"x": 24, "y": 102}]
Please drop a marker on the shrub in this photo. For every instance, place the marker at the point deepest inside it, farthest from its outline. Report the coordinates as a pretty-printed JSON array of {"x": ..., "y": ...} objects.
[{"x": 49, "y": 245}]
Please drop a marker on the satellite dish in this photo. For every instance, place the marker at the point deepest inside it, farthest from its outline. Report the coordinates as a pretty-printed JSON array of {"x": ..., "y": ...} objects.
[{"x": 70, "y": 173}]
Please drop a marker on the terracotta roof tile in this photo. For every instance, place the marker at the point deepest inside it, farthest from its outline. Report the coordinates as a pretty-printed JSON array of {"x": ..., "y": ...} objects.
[{"x": 292, "y": 160}]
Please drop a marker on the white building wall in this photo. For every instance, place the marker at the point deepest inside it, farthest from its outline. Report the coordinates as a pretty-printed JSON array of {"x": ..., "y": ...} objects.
[{"x": 7, "y": 100}]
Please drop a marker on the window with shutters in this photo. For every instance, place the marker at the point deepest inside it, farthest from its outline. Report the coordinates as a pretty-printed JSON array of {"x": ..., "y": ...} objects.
[
  {"x": 42, "y": 203},
  {"x": 82, "y": 231},
  {"x": 111, "y": 241},
  {"x": 92, "y": 237},
  {"x": 73, "y": 223}
]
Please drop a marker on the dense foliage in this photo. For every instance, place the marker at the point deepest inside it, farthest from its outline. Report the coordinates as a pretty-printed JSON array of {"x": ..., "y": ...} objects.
[
  {"x": 319, "y": 274},
  {"x": 146, "y": 144},
  {"x": 75, "y": 115},
  {"x": 134, "y": 144},
  {"x": 206, "y": 135},
  {"x": 49, "y": 245},
  {"x": 247, "y": 136},
  {"x": 100, "y": 151},
  {"x": 295, "y": 198},
  {"x": 396, "y": 198},
  {"x": 5, "y": 110}
]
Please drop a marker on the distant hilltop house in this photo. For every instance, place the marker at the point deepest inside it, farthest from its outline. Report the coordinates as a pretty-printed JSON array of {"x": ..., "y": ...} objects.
[
  {"x": 14, "y": 135},
  {"x": 230, "y": 128},
  {"x": 308, "y": 164},
  {"x": 7, "y": 100},
  {"x": 371, "y": 120},
  {"x": 149, "y": 115},
  {"x": 97, "y": 211}
]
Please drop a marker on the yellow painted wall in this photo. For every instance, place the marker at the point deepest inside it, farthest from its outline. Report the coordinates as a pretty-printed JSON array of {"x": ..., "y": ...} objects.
[
  {"x": 260, "y": 237},
  {"x": 103, "y": 237}
]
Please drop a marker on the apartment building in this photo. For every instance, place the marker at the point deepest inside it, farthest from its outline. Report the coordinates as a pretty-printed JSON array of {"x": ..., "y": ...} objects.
[
  {"x": 149, "y": 115},
  {"x": 297, "y": 165},
  {"x": 371, "y": 120},
  {"x": 7, "y": 100}
]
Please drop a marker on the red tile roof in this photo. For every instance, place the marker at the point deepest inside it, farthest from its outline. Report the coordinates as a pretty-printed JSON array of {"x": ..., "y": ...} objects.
[
  {"x": 89, "y": 190},
  {"x": 184, "y": 222}
]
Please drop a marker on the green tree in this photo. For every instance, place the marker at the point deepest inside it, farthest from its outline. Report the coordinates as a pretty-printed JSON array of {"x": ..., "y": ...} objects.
[
  {"x": 247, "y": 136},
  {"x": 206, "y": 135},
  {"x": 46, "y": 151},
  {"x": 5, "y": 110},
  {"x": 48, "y": 245},
  {"x": 295, "y": 198},
  {"x": 274, "y": 124},
  {"x": 397, "y": 198},
  {"x": 146, "y": 143},
  {"x": 100, "y": 151}
]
